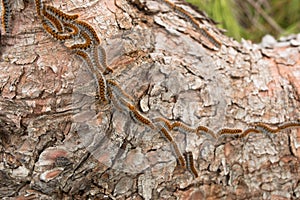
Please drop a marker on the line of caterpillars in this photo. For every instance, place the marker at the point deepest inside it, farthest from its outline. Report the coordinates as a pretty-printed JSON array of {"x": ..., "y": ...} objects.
[{"x": 62, "y": 26}]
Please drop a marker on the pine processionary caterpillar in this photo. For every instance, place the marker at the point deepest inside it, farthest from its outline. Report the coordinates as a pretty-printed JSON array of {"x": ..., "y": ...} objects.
[
  {"x": 94, "y": 52},
  {"x": 194, "y": 22},
  {"x": 84, "y": 45},
  {"x": 170, "y": 139},
  {"x": 229, "y": 131},
  {"x": 166, "y": 134},
  {"x": 72, "y": 28},
  {"x": 102, "y": 57},
  {"x": 38, "y": 7},
  {"x": 115, "y": 99},
  {"x": 53, "y": 20},
  {"x": 101, "y": 83},
  {"x": 187, "y": 16},
  {"x": 203, "y": 129},
  {"x": 90, "y": 30},
  {"x": 182, "y": 127},
  {"x": 6, "y": 16},
  {"x": 265, "y": 128},
  {"x": 289, "y": 125},
  {"x": 117, "y": 89},
  {"x": 49, "y": 29},
  {"x": 248, "y": 131},
  {"x": 139, "y": 117},
  {"x": 190, "y": 164},
  {"x": 210, "y": 38},
  {"x": 165, "y": 121},
  {"x": 178, "y": 154},
  {"x": 183, "y": 13},
  {"x": 61, "y": 15}
]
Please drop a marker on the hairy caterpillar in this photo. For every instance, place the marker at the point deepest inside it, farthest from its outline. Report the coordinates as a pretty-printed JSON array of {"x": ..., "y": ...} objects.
[
  {"x": 61, "y": 15},
  {"x": 248, "y": 131},
  {"x": 190, "y": 164},
  {"x": 53, "y": 20},
  {"x": 50, "y": 29},
  {"x": 87, "y": 42},
  {"x": 101, "y": 82},
  {"x": 6, "y": 16},
  {"x": 90, "y": 30}
]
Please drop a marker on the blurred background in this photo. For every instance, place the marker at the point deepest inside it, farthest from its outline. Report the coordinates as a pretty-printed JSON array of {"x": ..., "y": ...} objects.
[{"x": 252, "y": 19}]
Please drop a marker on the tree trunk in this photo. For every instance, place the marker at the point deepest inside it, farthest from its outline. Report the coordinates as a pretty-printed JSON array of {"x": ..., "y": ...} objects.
[{"x": 56, "y": 143}]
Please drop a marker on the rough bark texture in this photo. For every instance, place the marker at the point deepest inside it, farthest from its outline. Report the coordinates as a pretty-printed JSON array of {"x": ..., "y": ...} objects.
[{"x": 55, "y": 146}]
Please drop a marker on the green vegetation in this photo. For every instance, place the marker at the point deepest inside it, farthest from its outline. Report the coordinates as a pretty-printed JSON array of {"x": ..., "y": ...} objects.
[{"x": 252, "y": 19}]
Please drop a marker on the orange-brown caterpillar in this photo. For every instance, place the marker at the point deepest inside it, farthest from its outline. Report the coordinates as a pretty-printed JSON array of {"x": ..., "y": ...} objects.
[
  {"x": 289, "y": 125},
  {"x": 115, "y": 99},
  {"x": 101, "y": 56},
  {"x": 101, "y": 82},
  {"x": 53, "y": 20},
  {"x": 84, "y": 45},
  {"x": 203, "y": 129},
  {"x": 166, "y": 134},
  {"x": 38, "y": 7},
  {"x": 6, "y": 16},
  {"x": 90, "y": 30},
  {"x": 117, "y": 89},
  {"x": 178, "y": 154},
  {"x": 210, "y": 38},
  {"x": 265, "y": 128},
  {"x": 165, "y": 121},
  {"x": 229, "y": 131},
  {"x": 182, "y": 127},
  {"x": 138, "y": 116},
  {"x": 248, "y": 131},
  {"x": 61, "y": 15},
  {"x": 49, "y": 29},
  {"x": 195, "y": 24},
  {"x": 190, "y": 164},
  {"x": 73, "y": 30}
]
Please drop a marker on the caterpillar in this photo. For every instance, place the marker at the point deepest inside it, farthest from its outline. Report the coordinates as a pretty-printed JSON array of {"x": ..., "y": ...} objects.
[
  {"x": 137, "y": 116},
  {"x": 90, "y": 30},
  {"x": 117, "y": 89},
  {"x": 61, "y": 15},
  {"x": 38, "y": 7},
  {"x": 6, "y": 16},
  {"x": 101, "y": 82},
  {"x": 210, "y": 38},
  {"x": 229, "y": 131},
  {"x": 73, "y": 30},
  {"x": 178, "y": 154},
  {"x": 248, "y": 131},
  {"x": 289, "y": 125},
  {"x": 190, "y": 164},
  {"x": 87, "y": 42},
  {"x": 195, "y": 24},
  {"x": 50, "y": 29},
  {"x": 166, "y": 122},
  {"x": 53, "y": 20},
  {"x": 114, "y": 100},
  {"x": 102, "y": 57},
  {"x": 203, "y": 129},
  {"x": 265, "y": 128},
  {"x": 166, "y": 134},
  {"x": 182, "y": 127}
]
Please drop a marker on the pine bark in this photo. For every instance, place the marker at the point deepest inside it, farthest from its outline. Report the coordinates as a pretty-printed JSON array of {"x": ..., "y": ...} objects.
[{"x": 54, "y": 145}]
